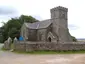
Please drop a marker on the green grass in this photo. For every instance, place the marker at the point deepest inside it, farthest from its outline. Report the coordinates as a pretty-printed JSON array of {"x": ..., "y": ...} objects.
[
  {"x": 52, "y": 52},
  {"x": 12, "y": 46},
  {"x": 3, "y": 49}
]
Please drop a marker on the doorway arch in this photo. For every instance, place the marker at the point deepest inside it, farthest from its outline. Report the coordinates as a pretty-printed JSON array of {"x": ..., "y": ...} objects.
[{"x": 49, "y": 39}]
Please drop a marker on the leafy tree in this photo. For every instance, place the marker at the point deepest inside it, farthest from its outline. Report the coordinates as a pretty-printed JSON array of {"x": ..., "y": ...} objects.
[
  {"x": 29, "y": 19},
  {"x": 12, "y": 27},
  {"x": 13, "y": 33},
  {"x": 1, "y": 36},
  {"x": 74, "y": 39}
]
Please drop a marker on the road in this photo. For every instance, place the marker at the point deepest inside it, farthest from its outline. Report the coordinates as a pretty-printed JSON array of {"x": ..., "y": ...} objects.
[{"x": 7, "y": 57}]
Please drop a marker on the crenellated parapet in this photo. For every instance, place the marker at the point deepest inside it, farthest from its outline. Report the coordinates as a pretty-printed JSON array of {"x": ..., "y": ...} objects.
[{"x": 59, "y": 8}]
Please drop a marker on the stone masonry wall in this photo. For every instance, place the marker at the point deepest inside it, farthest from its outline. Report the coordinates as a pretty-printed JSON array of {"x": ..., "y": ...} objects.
[{"x": 47, "y": 46}]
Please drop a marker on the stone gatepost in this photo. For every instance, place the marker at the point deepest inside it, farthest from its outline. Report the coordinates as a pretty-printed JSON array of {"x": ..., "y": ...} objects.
[
  {"x": 14, "y": 43},
  {"x": 7, "y": 43}
]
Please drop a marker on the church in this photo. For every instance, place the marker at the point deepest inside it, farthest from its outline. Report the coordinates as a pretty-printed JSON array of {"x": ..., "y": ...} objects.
[{"x": 50, "y": 30}]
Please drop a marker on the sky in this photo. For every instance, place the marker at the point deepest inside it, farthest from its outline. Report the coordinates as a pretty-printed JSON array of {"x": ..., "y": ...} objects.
[{"x": 40, "y": 9}]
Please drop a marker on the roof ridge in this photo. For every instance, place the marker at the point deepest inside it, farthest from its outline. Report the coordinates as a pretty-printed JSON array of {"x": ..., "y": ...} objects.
[
  {"x": 37, "y": 26},
  {"x": 44, "y": 20}
]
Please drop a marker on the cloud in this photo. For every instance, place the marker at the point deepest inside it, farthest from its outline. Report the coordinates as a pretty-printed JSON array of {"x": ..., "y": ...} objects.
[
  {"x": 73, "y": 27},
  {"x": 8, "y": 10},
  {"x": 37, "y": 17}
]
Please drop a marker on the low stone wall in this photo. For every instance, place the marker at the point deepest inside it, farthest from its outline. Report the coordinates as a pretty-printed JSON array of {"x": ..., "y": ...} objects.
[{"x": 47, "y": 46}]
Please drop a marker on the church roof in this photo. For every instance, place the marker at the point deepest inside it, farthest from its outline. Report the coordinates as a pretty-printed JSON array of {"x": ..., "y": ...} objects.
[{"x": 38, "y": 25}]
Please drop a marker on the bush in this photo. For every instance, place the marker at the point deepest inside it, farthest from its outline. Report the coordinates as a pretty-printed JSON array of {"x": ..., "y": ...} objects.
[{"x": 74, "y": 39}]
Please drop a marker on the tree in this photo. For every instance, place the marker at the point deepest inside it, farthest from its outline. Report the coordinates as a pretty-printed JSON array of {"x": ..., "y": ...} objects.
[
  {"x": 13, "y": 33},
  {"x": 74, "y": 39},
  {"x": 29, "y": 19},
  {"x": 1, "y": 38},
  {"x": 12, "y": 27}
]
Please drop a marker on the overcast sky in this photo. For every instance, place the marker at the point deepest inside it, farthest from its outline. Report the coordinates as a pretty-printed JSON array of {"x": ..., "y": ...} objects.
[{"x": 40, "y": 9}]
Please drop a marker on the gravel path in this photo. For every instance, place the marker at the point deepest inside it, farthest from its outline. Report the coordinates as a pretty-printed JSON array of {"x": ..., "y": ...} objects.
[{"x": 7, "y": 57}]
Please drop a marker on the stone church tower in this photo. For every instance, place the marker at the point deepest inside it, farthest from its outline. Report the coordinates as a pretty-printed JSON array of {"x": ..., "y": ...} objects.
[
  {"x": 60, "y": 25},
  {"x": 50, "y": 30}
]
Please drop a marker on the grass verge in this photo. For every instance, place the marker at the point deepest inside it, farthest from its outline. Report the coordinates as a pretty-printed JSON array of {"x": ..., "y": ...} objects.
[
  {"x": 51, "y": 52},
  {"x": 3, "y": 49}
]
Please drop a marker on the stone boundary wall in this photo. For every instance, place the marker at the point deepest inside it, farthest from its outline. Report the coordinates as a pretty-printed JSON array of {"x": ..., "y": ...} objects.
[{"x": 47, "y": 46}]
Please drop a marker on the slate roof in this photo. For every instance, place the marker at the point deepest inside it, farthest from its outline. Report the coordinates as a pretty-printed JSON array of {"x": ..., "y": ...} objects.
[{"x": 38, "y": 25}]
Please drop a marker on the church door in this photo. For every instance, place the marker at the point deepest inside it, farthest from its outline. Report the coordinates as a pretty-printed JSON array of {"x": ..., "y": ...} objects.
[{"x": 49, "y": 39}]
